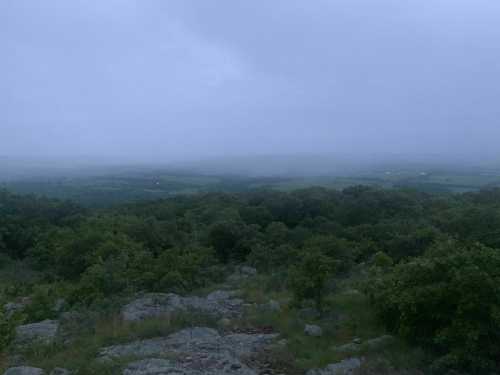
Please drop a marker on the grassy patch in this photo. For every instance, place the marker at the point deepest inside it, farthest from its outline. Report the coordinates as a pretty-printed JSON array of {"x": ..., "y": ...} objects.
[
  {"x": 81, "y": 352},
  {"x": 348, "y": 316}
]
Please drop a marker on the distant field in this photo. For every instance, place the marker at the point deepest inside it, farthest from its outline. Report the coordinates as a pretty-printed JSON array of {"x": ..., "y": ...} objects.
[{"x": 124, "y": 187}]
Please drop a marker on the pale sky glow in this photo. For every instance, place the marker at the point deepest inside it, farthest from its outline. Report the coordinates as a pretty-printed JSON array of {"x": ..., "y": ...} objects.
[{"x": 164, "y": 80}]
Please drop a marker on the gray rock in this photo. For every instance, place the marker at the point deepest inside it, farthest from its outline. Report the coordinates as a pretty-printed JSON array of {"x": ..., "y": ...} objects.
[
  {"x": 41, "y": 332},
  {"x": 191, "y": 341},
  {"x": 15, "y": 360},
  {"x": 220, "y": 303},
  {"x": 149, "y": 367},
  {"x": 196, "y": 351},
  {"x": 60, "y": 371},
  {"x": 194, "y": 365},
  {"x": 313, "y": 330},
  {"x": 345, "y": 367},
  {"x": 152, "y": 305},
  {"x": 24, "y": 370},
  {"x": 248, "y": 271}
]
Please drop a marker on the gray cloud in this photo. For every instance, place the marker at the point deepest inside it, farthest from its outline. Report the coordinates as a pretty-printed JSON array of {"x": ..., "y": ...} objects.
[{"x": 151, "y": 79}]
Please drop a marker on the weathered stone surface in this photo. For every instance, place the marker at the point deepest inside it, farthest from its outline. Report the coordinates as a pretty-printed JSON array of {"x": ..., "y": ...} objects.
[
  {"x": 213, "y": 364},
  {"x": 190, "y": 340},
  {"x": 345, "y": 367},
  {"x": 24, "y": 370},
  {"x": 60, "y": 371},
  {"x": 248, "y": 271},
  {"x": 41, "y": 332},
  {"x": 219, "y": 303},
  {"x": 196, "y": 350},
  {"x": 313, "y": 330}
]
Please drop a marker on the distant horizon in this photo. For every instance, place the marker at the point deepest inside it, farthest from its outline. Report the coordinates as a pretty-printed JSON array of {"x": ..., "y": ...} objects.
[{"x": 263, "y": 165}]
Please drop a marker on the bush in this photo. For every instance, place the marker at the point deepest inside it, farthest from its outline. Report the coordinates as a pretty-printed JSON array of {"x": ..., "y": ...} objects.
[
  {"x": 308, "y": 278},
  {"x": 6, "y": 331},
  {"x": 448, "y": 300},
  {"x": 42, "y": 304},
  {"x": 266, "y": 258}
]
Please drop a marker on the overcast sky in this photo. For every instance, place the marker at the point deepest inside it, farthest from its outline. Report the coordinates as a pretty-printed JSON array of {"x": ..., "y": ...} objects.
[{"x": 167, "y": 79}]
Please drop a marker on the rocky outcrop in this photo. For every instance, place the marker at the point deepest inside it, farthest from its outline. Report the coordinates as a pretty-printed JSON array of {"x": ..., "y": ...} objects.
[
  {"x": 219, "y": 303},
  {"x": 313, "y": 330},
  {"x": 42, "y": 332},
  {"x": 189, "y": 341},
  {"x": 345, "y": 367},
  {"x": 203, "y": 364},
  {"x": 197, "y": 350},
  {"x": 60, "y": 371},
  {"x": 24, "y": 370}
]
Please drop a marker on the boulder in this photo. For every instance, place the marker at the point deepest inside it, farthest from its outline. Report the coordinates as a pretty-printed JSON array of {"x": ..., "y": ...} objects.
[
  {"x": 60, "y": 371},
  {"x": 313, "y": 330},
  {"x": 345, "y": 367},
  {"x": 220, "y": 304},
  {"x": 248, "y": 271},
  {"x": 24, "y": 370},
  {"x": 42, "y": 332}
]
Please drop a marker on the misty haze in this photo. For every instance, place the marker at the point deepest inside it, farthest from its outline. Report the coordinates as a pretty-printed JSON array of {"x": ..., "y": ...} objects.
[{"x": 249, "y": 187}]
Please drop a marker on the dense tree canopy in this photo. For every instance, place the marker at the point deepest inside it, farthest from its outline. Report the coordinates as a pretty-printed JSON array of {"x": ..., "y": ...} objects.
[{"x": 438, "y": 254}]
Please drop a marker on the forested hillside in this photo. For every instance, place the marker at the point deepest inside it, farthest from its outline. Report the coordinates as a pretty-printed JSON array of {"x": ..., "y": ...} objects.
[{"x": 421, "y": 267}]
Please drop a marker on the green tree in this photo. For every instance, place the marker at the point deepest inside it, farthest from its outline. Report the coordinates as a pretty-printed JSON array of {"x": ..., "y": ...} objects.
[{"x": 308, "y": 278}]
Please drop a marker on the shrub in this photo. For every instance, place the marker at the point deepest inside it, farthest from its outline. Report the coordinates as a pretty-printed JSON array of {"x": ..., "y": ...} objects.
[
  {"x": 308, "y": 278},
  {"x": 6, "y": 331},
  {"x": 448, "y": 300}
]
